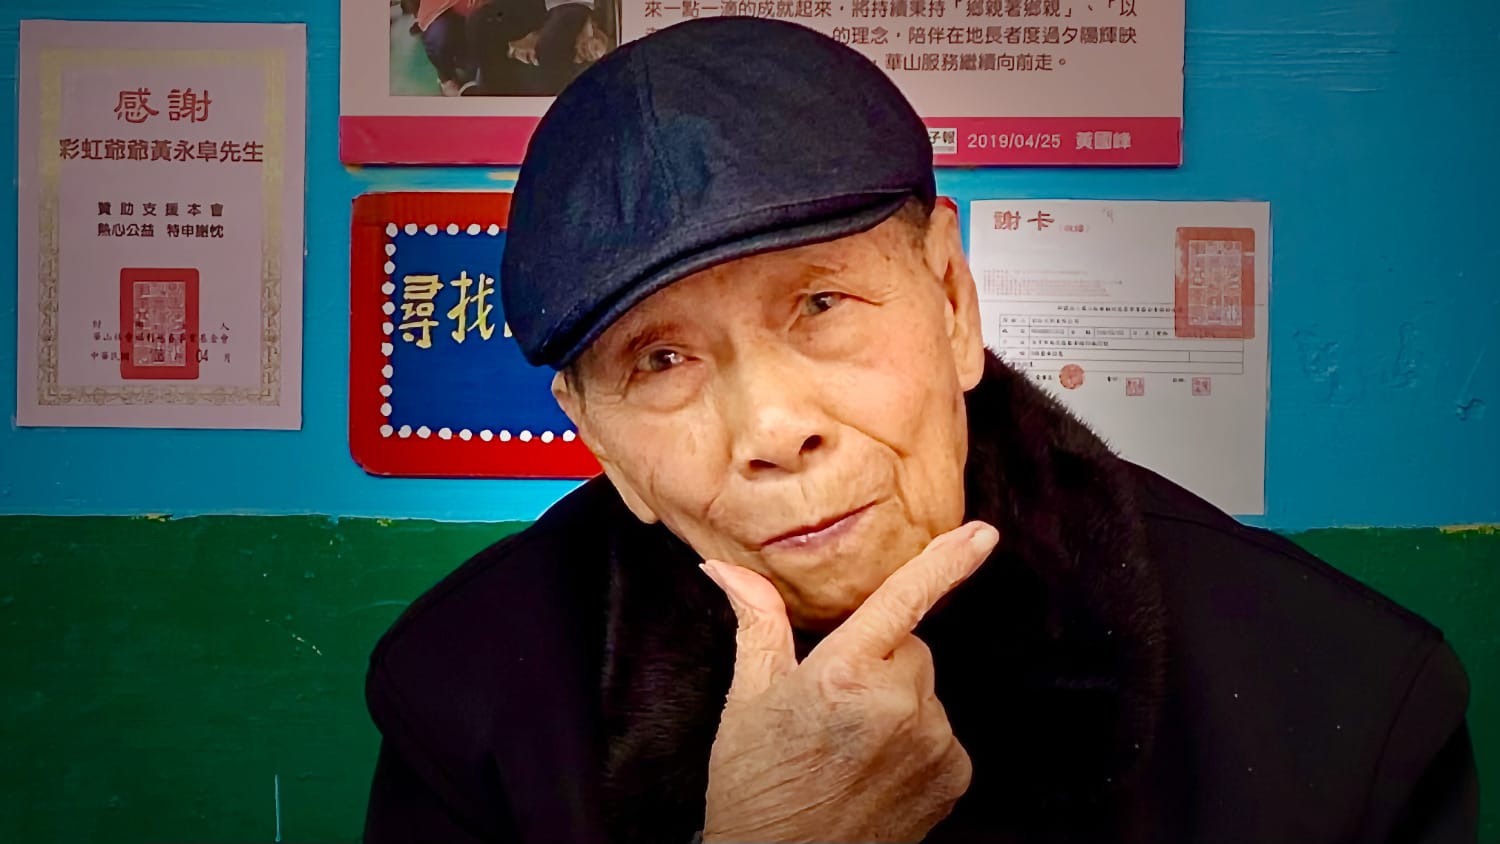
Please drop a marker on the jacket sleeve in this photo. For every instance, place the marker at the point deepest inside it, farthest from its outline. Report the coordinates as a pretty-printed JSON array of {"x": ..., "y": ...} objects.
[
  {"x": 412, "y": 799},
  {"x": 404, "y": 809},
  {"x": 1425, "y": 789}
]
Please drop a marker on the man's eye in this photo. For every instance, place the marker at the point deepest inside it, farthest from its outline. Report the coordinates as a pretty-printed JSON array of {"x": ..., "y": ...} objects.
[
  {"x": 820, "y": 302},
  {"x": 659, "y": 360}
]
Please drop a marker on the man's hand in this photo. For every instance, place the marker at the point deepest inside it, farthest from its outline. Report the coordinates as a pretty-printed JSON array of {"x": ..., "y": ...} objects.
[
  {"x": 852, "y": 744},
  {"x": 590, "y": 45},
  {"x": 523, "y": 49}
]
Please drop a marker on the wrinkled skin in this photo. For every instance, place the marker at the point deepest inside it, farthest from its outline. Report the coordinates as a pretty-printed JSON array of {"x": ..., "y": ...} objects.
[{"x": 797, "y": 417}]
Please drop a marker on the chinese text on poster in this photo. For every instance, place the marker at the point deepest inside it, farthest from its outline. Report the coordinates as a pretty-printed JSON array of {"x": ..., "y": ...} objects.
[
  {"x": 160, "y": 190},
  {"x": 1044, "y": 82}
]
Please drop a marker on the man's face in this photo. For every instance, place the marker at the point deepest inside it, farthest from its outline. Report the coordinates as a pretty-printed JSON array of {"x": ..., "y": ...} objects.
[{"x": 799, "y": 413}]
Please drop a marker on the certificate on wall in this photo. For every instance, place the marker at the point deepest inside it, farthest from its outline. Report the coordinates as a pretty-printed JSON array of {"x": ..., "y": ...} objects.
[
  {"x": 160, "y": 190},
  {"x": 1034, "y": 82},
  {"x": 1147, "y": 319}
]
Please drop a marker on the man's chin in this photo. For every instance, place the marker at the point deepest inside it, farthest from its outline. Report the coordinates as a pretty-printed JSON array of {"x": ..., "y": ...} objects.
[
  {"x": 824, "y": 611},
  {"x": 818, "y": 624}
]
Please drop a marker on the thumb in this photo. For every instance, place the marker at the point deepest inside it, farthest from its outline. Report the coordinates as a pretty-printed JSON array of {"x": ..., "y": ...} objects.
[{"x": 764, "y": 651}]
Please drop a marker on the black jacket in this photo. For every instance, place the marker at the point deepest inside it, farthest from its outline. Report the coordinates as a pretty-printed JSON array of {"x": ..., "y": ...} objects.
[{"x": 1131, "y": 664}]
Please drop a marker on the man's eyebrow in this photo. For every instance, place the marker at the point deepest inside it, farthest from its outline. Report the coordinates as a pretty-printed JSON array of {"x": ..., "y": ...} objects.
[
  {"x": 646, "y": 335},
  {"x": 823, "y": 269}
]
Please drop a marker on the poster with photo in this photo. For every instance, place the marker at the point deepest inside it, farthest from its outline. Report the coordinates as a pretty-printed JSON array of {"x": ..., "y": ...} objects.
[{"x": 1023, "y": 82}]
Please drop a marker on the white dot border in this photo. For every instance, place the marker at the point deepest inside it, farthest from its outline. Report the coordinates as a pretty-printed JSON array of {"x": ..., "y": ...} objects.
[{"x": 387, "y": 347}]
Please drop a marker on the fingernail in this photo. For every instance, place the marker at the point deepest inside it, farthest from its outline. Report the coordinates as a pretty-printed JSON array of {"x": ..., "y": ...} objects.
[
  {"x": 984, "y": 538},
  {"x": 719, "y": 573},
  {"x": 712, "y": 572}
]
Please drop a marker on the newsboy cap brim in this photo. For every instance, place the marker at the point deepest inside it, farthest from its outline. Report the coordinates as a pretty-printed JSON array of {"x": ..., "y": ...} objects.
[{"x": 703, "y": 143}]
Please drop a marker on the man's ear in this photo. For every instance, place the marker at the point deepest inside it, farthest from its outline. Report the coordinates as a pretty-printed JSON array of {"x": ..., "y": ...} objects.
[
  {"x": 944, "y": 254},
  {"x": 576, "y": 409}
]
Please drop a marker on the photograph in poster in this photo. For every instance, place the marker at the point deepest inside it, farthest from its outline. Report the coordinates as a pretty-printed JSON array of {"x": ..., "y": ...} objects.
[
  {"x": 497, "y": 48},
  {"x": 1033, "y": 82},
  {"x": 160, "y": 240}
]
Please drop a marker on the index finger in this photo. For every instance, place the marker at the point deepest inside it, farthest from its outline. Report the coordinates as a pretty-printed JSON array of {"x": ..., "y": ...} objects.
[{"x": 893, "y": 610}]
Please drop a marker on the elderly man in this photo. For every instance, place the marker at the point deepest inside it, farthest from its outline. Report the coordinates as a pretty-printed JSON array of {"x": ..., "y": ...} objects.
[{"x": 847, "y": 577}]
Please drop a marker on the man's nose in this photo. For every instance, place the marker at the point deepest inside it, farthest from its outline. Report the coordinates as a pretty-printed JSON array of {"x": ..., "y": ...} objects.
[{"x": 773, "y": 412}]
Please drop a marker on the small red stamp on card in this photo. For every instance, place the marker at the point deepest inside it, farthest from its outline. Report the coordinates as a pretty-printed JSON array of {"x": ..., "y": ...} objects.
[
  {"x": 1135, "y": 386},
  {"x": 159, "y": 322},
  {"x": 1203, "y": 385},
  {"x": 1071, "y": 376},
  {"x": 1215, "y": 283}
]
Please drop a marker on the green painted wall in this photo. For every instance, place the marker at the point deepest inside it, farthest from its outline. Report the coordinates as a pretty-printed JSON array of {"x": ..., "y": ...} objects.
[{"x": 160, "y": 677}]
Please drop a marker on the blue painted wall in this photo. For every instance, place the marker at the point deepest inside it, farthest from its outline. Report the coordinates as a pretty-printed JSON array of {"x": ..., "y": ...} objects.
[{"x": 1370, "y": 126}]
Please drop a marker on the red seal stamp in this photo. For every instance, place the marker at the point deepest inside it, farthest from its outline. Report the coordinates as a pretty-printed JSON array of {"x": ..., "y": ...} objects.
[
  {"x": 1071, "y": 376},
  {"x": 159, "y": 315},
  {"x": 1214, "y": 288}
]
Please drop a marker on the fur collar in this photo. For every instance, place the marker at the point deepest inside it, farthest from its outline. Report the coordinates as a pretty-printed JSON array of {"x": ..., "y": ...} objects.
[{"x": 1049, "y": 659}]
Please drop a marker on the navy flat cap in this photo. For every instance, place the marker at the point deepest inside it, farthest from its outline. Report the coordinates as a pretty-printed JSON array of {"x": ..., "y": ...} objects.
[{"x": 706, "y": 141}]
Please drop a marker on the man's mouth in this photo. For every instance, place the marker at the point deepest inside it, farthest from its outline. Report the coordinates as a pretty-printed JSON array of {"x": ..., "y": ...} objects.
[{"x": 818, "y": 534}]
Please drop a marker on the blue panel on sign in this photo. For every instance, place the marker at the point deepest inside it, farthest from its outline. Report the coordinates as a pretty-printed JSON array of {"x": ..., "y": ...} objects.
[{"x": 446, "y": 289}]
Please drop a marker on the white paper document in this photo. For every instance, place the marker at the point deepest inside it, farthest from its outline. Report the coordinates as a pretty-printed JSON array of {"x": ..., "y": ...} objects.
[
  {"x": 160, "y": 207},
  {"x": 1147, "y": 319}
]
